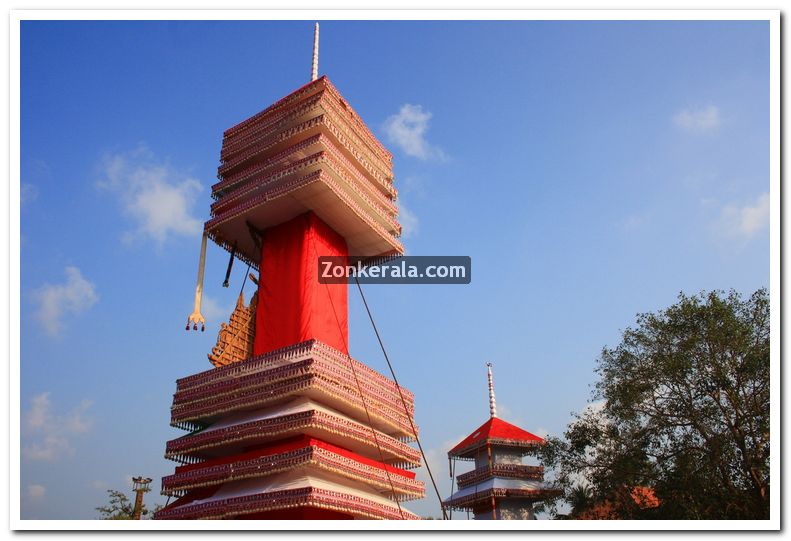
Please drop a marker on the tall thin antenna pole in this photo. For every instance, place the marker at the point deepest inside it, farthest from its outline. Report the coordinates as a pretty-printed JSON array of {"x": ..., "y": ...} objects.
[
  {"x": 314, "y": 70},
  {"x": 492, "y": 402}
]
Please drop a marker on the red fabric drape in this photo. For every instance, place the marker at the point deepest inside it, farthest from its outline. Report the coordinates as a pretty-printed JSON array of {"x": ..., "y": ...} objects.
[{"x": 292, "y": 305}]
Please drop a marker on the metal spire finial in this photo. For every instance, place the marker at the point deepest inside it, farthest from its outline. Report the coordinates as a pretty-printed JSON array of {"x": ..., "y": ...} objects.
[
  {"x": 492, "y": 403},
  {"x": 314, "y": 70}
]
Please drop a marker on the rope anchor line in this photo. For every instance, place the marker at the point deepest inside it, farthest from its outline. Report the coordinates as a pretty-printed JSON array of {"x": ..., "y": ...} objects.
[
  {"x": 362, "y": 399},
  {"x": 401, "y": 394}
]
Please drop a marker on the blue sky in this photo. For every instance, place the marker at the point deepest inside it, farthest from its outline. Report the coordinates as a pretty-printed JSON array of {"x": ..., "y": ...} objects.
[{"x": 592, "y": 171}]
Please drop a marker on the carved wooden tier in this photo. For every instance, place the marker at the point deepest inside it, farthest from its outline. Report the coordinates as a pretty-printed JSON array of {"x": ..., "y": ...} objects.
[
  {"x": 301, "y": 416},
  {"x": 307, "y": 152},
  {"x": 291, "y": 109},
  {"x": 311, "y": 370},
  {"x": 480, "y": 500},
  {"x": 267, "y": 498},
  {"x": 299, "y": 452},
  {"x": 505, "y": 471},
  {"x": 288, "y": 430},
  {"x": 215, "y": 382}
]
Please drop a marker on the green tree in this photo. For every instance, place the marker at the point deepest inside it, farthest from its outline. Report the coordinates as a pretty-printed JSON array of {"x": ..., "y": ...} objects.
[
  {"x": 681, "y": 407},
  {"x": 580, "y": 499},
  {"x": 121, "y": 508}
]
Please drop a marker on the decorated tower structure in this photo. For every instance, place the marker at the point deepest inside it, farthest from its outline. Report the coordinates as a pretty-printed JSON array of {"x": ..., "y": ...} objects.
[
  {"x": 500, "y": 487},
  {"x": 287, "y": 425}
]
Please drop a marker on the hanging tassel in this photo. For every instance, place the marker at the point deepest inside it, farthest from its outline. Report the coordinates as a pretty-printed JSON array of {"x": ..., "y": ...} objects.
[
  {"x": 227, "y": 281},
  {"x": 196, "y": 317}
]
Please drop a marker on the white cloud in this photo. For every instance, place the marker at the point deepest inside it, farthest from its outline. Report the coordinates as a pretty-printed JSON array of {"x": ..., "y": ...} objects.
[
  {"x": 412, "y": 184},
  {"x": 99, "y": 485},
  {"x": 507, "y": 414},
  {"x": 407, "y": 130},
  {"x": 158, "y": 198},
  {"x": 745, "y": 221},
  {"x": 39, "y": 414},
  {"x": 593, "y": 408},
  {"x": 212, "y": 310},
  {"x": 56, "y": 301},
  {"x": 36, "y": 492},
  {"x": 698, "y": 120},
  {"x": 438, "y": 462},
  {"x": 49, "y": 449},
  {"x": 75, "y": 421},
  {"x": 541, "y": 432},
  {"x": 409, "y": 221},
  {"x": 634, "y": 222},
  {"x": 27, "y": 193},
  {"x": 50, "y": 432}
]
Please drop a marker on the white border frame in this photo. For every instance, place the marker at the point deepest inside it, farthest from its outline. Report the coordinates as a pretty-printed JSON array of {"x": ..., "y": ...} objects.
[{"x": 16, "y": 16}]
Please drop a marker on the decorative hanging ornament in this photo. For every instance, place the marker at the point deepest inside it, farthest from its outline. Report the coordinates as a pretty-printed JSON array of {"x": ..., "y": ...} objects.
[{"x": 196, "y": 317}]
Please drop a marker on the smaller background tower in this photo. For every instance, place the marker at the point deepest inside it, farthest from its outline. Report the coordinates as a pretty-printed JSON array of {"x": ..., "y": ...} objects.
[
  {"x": 140, "y": 485},
  {"x": 500, "y": 487}
]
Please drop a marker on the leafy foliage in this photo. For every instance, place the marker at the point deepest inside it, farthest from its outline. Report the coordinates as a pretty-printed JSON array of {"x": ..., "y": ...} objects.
[
  {"x": 120, "y": 508},
  {"x": 681, "y": 407},
  {"x": 581, "y": 499}
]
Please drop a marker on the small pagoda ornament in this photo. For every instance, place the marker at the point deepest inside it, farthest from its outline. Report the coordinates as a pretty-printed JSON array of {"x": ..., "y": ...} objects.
[
  {"x": 500, "y": 487},
  {"x": 235, "y": 339}
]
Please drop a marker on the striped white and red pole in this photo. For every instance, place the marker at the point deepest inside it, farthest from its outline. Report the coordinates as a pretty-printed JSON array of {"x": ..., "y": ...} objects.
[
  {"x": 492, "y": 402},
  {"x": 314, "y": 67}
]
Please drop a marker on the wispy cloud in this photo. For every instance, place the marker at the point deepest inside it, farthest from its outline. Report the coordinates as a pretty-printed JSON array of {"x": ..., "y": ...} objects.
[
  {"x": 57, "y": 300},
  {"x": 407, "y": 130},
  {"x": 413, "y": 184},
  {"x": 36, "y": 492},
  {"x": 35, "y": 173},
  {"x": 541, "y": 432},
  {"x": 157, "y": 197},
  {"x": 635, "y": 221},
  {"x": 214, "y": 311},
  {"x": 745, "y": 221},
  {"x": 437, "y": 459},
  {"x": 409, "y": 221},
  {"x": 50, "y": 432},
  {"x": 98, "y": 484},
  {"x": 706, "y": 119},
  {"x": 27, "y": 193},
  {"x": 505, "y": 413},
  {"x": 593, "y": 408}
]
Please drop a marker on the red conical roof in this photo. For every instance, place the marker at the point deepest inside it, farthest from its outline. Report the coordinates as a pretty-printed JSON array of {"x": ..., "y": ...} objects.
[{"x": 495, "y": 431}]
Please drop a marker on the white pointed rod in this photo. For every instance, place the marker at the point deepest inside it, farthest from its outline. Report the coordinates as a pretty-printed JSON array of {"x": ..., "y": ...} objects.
[
  {"x": 314, "y": 70},
  {"x": 492, "y": 402},
  {"x": 196, "y": 317}
]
